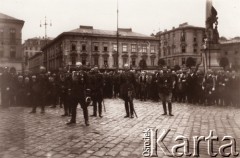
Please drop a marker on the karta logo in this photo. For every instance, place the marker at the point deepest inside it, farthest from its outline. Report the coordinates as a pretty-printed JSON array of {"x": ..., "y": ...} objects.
[{"x": 152, "y": 142}]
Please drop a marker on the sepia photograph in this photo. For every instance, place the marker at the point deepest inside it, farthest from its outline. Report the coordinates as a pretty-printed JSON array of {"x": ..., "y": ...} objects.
[{"x": 119, "y": 78}]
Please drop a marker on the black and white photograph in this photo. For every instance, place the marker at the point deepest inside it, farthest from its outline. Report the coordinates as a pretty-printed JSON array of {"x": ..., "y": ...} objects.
[{"x": 119, "y": 78}]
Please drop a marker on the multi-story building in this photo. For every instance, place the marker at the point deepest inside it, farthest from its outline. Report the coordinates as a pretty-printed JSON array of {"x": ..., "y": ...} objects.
[
  {"x": 32, "y": 46},
  {"x": 11, "y": 42},
  {"x": 231, "y": 50},
  {"x": 94, "y": 47},
  {"x": 178, "y": 44},
  {"x": 35, "y": 61}
]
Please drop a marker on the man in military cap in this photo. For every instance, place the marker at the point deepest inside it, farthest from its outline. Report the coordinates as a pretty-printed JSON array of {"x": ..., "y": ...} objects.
[
  {"x": 62, "y": 91},
  {"x": 96, "y": 87},
  {"x": 39, "y": 89},
  {"x": 166, "y": 85},
  {"x": 27, "y": 91},
  {"x": 209, "y": 86},
  {"x": 127, "y": 91},
  {"x": 6, "y": 87},
  {"x": 76, "y": 94},
  {"x": 143, "y": 85},
  {"x": 19, "y": 90}
]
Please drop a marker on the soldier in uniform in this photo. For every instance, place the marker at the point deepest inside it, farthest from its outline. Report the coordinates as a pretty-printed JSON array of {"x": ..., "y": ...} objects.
[
  {"x": 96, "y": 87},
  {"x": 166, "y": 85},
  {"x": 192, "y": 87},
  {"x": 63, "y": 94},
  {"x": 116, "y": 84},
  {"x": 39, "y": 90},
  {"x": 6, "y": 88},
  {"x": 52, "y": 91},
  {"x": 27, "y": 91},
  {"x": 19, "y": 90},
  {"x": 143, "y": 86},
  {"x": 76, "y": 94},
  {"x": 209, "y": 87},
  {"x": 127, "y": 94}
]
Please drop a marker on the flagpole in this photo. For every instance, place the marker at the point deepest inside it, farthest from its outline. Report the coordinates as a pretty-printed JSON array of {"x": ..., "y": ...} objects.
[{"x": 117, "y": 38}]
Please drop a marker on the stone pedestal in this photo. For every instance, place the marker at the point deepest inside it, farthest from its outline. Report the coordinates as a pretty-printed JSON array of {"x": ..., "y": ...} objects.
[{"x": 213, "y": 54}]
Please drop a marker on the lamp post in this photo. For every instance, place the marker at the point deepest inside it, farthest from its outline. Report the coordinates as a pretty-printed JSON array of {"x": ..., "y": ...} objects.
[{"x": 45, "y": 26}]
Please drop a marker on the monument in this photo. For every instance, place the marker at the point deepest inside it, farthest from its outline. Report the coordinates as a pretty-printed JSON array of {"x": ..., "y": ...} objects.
[{"x": 211, "y": 45}]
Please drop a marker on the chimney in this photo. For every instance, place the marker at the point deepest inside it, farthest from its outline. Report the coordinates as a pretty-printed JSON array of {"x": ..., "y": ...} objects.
[
  {"x": 183, "y": 24},
  {"x": 86, "y": 27}
]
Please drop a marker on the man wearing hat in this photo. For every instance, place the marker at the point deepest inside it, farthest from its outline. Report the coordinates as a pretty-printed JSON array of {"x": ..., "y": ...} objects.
[
  {"x": 6, "y": 87},
  {"x": 166, "y": 85},
  {"x": 39, "y": 89},
  {"x": 19, "y": 90},
  {"x": 96, "y": 87},
  {"x": 76, "y": 94}
]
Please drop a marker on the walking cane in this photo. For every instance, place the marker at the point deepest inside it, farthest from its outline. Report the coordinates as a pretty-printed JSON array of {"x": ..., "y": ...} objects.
[
  {"x": 104, "y": 106},
  {"x": 135, "y": 112}
]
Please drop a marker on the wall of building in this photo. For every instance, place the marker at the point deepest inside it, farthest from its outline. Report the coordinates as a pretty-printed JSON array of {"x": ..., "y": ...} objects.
[
  {"x": 231, "y": 50},
  {"x": 31, "y": 47},
  {"x": 59, "y": 54},
  {"x": 35, "y": 62},
  {"x": 10, "y": 44},
  {"x": 172, "y": 44}
]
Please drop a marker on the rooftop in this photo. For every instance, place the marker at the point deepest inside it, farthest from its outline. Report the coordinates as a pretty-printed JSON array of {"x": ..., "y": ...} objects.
[
  {"x": 7, "y": 18},
  {"x": 230, "y": 41},
  {"x": 123, "y": 32}
]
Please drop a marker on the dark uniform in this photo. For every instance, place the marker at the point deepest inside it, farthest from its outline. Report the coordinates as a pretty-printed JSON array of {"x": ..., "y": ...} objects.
[
  {"x": 165, "y": 85},
  {"x": 192, "y": 88},
  {"x": 52, "y": 92},
  {"x": 127, "y": 93},
  {"x": 76, "y": 94},
  {"x": 143, "y": 86},
  {"x": 116, "y": 84},
  {"x": 209, "y": 87},
  {"x": 63, "y": 94},
  {"x": 19, "y": 90},
  {"x": 96, "y": 87},
  {"x": 6, "y": 88},
  {"x": 27, "y": 91},
  {"x": 39, "y": 90}
]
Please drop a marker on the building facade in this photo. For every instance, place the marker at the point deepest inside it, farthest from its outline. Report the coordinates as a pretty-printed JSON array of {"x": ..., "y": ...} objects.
[
  {"x": 178, "y": 44},
  {"x": 32, "y": 46},
  {"x": 94, "y": 47},
  {"x": 35, "y": 61},
  {"x": 11, "y": 42},
  {"x": 231, "y": 50}
]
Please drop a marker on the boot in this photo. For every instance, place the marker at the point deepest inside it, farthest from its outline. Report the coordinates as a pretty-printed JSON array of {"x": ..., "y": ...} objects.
[
  {"x": 170, "y": 109},
  {"x": 87, "y": 123},
  {"x": 164, "y": 108}
]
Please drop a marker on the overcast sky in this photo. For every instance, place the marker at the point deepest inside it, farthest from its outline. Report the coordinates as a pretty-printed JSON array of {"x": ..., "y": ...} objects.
[{"x": 143, "y": 16}]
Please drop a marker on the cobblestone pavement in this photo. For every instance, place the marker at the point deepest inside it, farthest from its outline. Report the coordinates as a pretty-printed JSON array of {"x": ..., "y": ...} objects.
[{"x": 46, "y": 135}]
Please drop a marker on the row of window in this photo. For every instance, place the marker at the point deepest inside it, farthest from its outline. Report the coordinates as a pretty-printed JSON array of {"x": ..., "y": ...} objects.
[
  {"x": 105, "y": 61},
  {"x": 236, "y": 52},
  {"x": 167, "y": 51},
  {"x": 96, "y": 48},
  {"x": 33, "y": 48},
  {"x": 12, "y": 32},
  {"x": 166, "y": 37},
  {"x": 12, "y": 53},
  {"x": 172, "y": 62}
]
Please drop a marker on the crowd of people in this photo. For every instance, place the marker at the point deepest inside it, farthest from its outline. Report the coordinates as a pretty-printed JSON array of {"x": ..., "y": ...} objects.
[{"x": 70, "y": 88}]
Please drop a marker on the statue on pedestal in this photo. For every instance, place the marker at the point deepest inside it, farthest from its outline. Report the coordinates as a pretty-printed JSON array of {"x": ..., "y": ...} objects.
[{"x": 211, "y": 26}]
